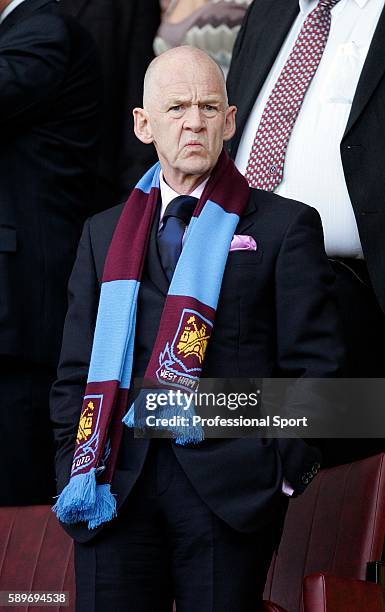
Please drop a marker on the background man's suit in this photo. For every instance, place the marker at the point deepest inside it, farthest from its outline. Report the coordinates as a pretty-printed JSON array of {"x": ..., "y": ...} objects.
[
  {"x": 49, "y": 103},
  {"x": 362, "y": 148},
  {"x": 362, "y": 304},
  {"x": 265, "y": 325},
  {"x": 124, "y": 33}
]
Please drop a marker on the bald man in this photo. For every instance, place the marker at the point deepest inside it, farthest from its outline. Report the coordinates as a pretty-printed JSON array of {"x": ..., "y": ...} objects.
[{"x": 197, "y": 520}]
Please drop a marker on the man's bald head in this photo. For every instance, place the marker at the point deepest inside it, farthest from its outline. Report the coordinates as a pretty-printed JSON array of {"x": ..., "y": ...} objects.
[
  {"x": 185, "y": 115},
  {"x": 179, "y": 59}
]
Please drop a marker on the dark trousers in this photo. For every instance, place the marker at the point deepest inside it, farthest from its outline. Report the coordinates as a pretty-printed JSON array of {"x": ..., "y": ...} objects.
[
  {"x": 26, "y": 440},
  {"x": 167, "y": 545},
  {"x": 363, "y": 330}
]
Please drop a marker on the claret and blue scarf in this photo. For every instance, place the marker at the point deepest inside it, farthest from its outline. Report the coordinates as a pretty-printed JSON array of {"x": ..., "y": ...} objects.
[{"x": 184, "y": 331}]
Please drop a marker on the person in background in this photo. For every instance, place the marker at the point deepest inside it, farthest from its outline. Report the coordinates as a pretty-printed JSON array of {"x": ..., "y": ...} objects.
[
  {"x": 308, "y": 78},
  {"x": 210, "y": 25},
  {"x": 50, "y": 92},
  {"x": 123, "y": 31}
]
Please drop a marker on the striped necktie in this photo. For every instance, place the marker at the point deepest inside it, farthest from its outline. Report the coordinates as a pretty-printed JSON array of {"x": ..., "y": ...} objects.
[{"x": 267, "y": 157}]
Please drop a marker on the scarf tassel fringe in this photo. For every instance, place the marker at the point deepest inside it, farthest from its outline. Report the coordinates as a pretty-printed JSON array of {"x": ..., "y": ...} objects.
[
  {"x": 83, "y": 500},
  {"x": 183, "y": 434}
]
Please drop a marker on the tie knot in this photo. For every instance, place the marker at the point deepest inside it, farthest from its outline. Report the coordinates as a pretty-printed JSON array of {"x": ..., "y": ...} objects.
[
  {"x": 182, "y": 207},
  {"x": 327, "y": 3}
]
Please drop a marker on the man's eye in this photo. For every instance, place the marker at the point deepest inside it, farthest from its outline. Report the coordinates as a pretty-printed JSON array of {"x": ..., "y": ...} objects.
[
  {"x": 177, "y": 108},
  {"x": 209, "y": 110}
]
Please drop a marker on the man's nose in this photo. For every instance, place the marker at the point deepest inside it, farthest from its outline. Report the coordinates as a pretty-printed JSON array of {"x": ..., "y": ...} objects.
[{"x": 193, "y": 118}]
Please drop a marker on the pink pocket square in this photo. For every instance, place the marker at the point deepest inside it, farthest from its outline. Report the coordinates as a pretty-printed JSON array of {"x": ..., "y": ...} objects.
[{"x": 243, "y": 243}]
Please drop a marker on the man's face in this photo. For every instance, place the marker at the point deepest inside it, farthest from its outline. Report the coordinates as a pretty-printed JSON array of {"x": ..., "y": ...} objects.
[{"x": 188, "y": 118}]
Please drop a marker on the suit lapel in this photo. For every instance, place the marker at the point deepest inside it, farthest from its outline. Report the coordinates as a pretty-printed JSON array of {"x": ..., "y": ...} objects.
[
  {"x": 153, "y": 264},
  {"x": 246, "y": 220},
  {"x": 371, "y": 74},
  {"x": 253, "y": 65}
]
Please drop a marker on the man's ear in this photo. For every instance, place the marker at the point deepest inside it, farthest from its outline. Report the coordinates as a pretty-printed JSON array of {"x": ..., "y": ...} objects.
[
  {"x": 142, "y": 127},
  {"x": 229, "y": 130}
]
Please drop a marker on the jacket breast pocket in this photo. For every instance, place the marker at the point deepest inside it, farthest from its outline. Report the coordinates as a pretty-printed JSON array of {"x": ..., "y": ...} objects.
[
  {"x": 242, "y": 258},
  {"x": 244, "y": 274},
  {"x": 340, "y": 83},
  {"x": 8, "y": 241}
]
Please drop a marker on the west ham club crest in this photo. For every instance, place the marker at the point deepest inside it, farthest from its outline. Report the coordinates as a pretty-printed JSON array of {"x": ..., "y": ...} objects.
[{"x": 181, "y": 360}]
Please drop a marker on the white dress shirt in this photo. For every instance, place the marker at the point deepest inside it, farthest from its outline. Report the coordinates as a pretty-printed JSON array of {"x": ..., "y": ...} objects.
[
  {"x": 313, "y": 171},
  {"x": 8, "y": 9}
]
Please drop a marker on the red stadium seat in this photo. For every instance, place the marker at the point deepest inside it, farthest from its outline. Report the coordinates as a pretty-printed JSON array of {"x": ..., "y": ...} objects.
[
  {"x": 35, "y": 555},
  {"x": 331, "y": 532}
]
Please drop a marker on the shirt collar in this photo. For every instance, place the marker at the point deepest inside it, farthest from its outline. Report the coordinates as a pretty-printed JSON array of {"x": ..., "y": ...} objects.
[
  {"x": 8, "y": 9},
  {"x": 304, "y": 5},
  {"x": 168, "y": 194}
]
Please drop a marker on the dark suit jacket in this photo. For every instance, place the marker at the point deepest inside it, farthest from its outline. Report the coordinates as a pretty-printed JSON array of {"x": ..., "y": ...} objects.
[
  {"x": 276, "y": 315},
  {"x": 49, "y": 103},
  {"x": 263, "y": 32},
  {"x": 124, "y": 31}
]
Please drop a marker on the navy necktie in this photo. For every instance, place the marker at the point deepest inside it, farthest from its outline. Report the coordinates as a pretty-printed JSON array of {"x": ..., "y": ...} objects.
[{"x": 176, "y": 217}]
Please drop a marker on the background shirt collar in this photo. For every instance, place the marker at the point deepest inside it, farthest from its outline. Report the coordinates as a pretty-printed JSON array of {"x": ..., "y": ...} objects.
[{"x": 305, "y": 4}]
